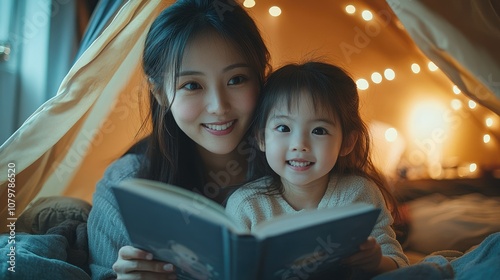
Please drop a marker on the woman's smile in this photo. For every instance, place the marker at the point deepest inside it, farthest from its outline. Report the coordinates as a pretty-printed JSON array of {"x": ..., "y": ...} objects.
[{"x": 220, "y": 128}]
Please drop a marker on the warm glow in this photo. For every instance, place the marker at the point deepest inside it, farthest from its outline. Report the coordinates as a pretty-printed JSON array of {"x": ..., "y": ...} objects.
[
  {"x": 432, "y": 66},
  {"x": 367, "y": 15},
  {"x": 472, "y": 167},
  {"x": 463, "y": 171},
  {"x": 249, "y": 3},
  {"x": 391, "y": 134},
  {"x": 415, "y": 68},
  {"x": 376, "y": 77},
  {"x": 362, "y": 84},
  {"x": 489, "y": 122},
  {"x": 427, "y": 118},
  {"x": 486, "y": 138},
  {"x": 456, "y": 90},
  {"x": 389, "y": 74},
  {"x": 435, "y": 170},
  {"x": 350, "y": 9},
  {"x": 456, "y": 104},
  {"x": 472, "y": 104},
  {"x": 275, "y": 11}
]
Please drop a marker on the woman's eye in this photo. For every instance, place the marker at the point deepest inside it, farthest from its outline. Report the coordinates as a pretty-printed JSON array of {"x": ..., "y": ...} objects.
[
  {"x": 320, "y": 131},
  {"x": 191, "y": 86},
  {"x": 282, "y": 128},
  {"x": 236, "y": 80}
]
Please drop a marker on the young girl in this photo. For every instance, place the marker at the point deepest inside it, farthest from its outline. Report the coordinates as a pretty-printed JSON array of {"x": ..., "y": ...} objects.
[
  {"x": 317, "y": 148},
  {"x": 206, "y": 62}
]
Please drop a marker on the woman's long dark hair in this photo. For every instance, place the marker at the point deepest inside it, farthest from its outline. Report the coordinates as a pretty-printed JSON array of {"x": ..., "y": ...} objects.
[{"x": 171, "y": 156}]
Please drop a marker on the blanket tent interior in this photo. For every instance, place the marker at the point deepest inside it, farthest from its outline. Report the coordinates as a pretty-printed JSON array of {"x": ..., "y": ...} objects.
[{"x": 428, "y": 74}]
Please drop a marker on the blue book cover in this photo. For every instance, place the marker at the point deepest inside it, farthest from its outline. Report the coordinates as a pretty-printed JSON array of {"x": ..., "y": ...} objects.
[{"x": 194, "y": 233}]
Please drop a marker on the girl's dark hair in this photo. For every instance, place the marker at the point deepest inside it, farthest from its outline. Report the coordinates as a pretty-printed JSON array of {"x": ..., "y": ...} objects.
[
  {"x": 333, "y": 90},
  {"x": 171, "y": 156}
]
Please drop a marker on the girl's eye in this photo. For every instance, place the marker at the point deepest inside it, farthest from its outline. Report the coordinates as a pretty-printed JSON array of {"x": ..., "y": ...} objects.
[
  {"x": 320, "y": 131},
  {"x": 282, "y": 128},
  {"x": 191, "y": 86},
  {"x": 236, "y": 80}
]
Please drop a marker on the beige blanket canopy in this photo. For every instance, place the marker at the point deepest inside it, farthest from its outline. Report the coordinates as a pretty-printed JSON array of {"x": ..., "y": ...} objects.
[
  {"x": 65, "y": 146},
  {"x": 462, "y": 38},
  {"x": 95, "y": 117}
]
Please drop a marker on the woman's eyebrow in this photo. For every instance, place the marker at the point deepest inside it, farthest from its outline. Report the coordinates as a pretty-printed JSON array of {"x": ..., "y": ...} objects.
[
  {"x": 236, "y": 65},
  {"x": 227, "y": 68},
  {"x": 190, "y": 73}
]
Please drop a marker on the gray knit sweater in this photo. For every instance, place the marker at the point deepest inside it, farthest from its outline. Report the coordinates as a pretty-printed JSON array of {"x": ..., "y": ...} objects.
[{"x": 106, "y": 231}]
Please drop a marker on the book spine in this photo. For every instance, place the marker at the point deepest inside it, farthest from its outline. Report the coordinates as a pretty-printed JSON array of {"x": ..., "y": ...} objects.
[
  {"x": 243, "y": 257},
  {"x": 228, "y": 244}
]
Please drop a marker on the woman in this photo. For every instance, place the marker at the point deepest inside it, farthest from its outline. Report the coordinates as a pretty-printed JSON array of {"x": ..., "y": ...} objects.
[{"x": 206, "y": 62}]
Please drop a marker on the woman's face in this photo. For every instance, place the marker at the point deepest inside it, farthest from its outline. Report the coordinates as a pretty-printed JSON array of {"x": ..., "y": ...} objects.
[{"x": 216, "y": 93}]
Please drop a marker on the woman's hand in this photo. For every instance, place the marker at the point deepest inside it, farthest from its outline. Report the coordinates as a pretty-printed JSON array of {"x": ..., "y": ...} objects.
[
  {"x": 134, "y": 263},
  {"x": 370, "y": 258}
]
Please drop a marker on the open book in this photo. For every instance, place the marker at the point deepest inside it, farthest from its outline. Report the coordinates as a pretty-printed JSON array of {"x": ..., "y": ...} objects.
[{"x": 195, "y": 234}]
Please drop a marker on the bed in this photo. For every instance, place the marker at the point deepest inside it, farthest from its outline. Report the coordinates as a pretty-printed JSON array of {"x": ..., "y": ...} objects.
[
  {"x": 88, "y": 112},
  {"x": 447, "y": 216}
]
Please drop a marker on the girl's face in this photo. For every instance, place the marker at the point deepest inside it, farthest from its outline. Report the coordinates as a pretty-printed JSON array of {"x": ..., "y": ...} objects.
[
  {"x": 302, "y": 145},
  {"x": 216, "y": 93}
]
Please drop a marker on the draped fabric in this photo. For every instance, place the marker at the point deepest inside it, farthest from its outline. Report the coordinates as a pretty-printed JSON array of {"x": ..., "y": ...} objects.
[
  {"x": 462, "y": 39},
  {"x": 101, "y": 16},
  {"x": 66, "y": 144}
]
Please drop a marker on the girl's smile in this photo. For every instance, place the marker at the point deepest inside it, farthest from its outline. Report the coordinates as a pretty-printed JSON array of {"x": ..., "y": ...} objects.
[{"x": 299, "y": 164}]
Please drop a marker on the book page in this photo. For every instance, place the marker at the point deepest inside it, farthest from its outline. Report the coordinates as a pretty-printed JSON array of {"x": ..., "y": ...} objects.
[
  {"x": 312, "y": 245},
  {"x": 188, "y": 202},
  {"x": 308, "y": 218},
  {"x": 177, "y": 226}
]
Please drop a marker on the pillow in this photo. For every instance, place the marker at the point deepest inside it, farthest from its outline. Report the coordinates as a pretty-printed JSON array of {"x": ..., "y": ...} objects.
[
  {"x": 438, "y": 222},
  {"x": 48, "y": 212}
]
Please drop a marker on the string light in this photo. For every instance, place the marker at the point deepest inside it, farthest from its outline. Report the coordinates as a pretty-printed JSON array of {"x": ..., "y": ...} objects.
[
  {"x": 433, "y": 67},
  {"x": 489, "y": 122},
  {"x": 362, "y": 84},
  {"x": 415, "y": 68},
  {"x": 456, "y": 104},
  {"x": 389, "y": 74},
  {"x": 472, "y": 167},
  {"x": 486, "y": 138},
  {"x": 275, "y": 11},
  {"x": 350, "y": 9},
  {"x": 367, "y": 15},
  {"x": 249, "y": 3},
  {"x": 376, "y": 77},
  {"x": 391, "y": 134},
  {"x": 472, "y": 104}
]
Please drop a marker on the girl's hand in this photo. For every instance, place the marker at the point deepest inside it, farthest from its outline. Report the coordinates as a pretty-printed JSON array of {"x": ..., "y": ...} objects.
[
  {"x": 134, "y": 263},
  {"x": 370, "y": 258}
]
